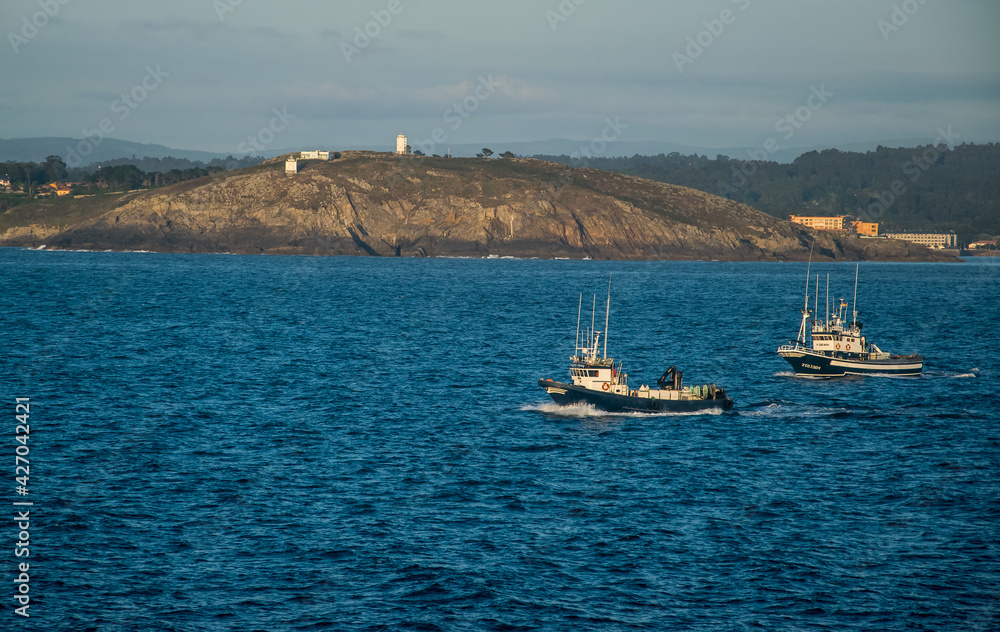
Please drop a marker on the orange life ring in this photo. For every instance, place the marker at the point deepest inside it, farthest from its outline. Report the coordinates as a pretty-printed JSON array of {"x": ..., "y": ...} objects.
[
  {"x": 606, "y": 386},
  {"x": 838, "y": 346},
  {"x": 848, "y": 347}
]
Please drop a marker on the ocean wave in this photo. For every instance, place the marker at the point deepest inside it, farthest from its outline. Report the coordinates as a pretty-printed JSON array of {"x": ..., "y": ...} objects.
[
  {"x": 782, "y": 409},
  {"x": 587, "y": 410},
  {"x": 973, "y": 372},
  {"x": 767, "y": 410}
]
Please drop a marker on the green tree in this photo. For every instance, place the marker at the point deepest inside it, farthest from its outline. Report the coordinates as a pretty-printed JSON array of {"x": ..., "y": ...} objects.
[{"x": 55, "y": 169}]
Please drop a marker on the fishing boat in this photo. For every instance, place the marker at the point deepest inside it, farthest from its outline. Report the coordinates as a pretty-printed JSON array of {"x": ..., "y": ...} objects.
[
  {"x": 598, "y": 381},
  {"x": 835, "y": 346}
]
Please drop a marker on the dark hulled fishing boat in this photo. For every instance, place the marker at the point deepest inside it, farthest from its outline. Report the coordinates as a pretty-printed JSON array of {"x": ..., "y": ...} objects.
[
  {"x": 598, "y": 381},
  {"x": 835, "y": 347}
]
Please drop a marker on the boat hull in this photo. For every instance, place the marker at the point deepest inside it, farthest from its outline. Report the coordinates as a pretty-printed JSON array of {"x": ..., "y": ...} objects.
[
  {"x": 569, "y": 394},
  {"x": 809, "y": 364}
]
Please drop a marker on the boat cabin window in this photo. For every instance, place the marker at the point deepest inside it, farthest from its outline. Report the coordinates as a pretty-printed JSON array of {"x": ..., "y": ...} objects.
[{"x": 593, "y": 373}]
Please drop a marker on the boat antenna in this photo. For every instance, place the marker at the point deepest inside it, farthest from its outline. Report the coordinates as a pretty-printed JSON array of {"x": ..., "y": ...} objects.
[
  {"x": 579, "y": 308},
  {"x": 607, "y": 314},
  {"x": 593, "y": 333},
  {"x": 816, "y": 299},
  {"x": 828, "y": 299},
  {"x": 854, "y": 310},
  {"x": 805, "y": 307}
]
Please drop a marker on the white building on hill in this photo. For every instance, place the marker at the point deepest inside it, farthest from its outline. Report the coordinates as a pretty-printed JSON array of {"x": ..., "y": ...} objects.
[
  {"x": 401, "y": 144},
  {"x": 931, "y": 240},
  {"x": 314, "y": 155}
]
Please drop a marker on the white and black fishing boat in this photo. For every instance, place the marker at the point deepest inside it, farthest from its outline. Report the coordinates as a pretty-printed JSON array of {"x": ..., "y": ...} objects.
[
  {"x": 835, "y": 347},
  {"x": 598, "y": 381}
]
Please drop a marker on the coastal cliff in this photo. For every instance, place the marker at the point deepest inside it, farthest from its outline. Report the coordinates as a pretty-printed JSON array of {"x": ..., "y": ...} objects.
[{"x": 368, "y": 203}]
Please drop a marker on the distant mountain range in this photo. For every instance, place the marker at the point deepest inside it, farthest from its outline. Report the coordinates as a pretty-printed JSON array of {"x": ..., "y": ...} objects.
[
  {"x": 37, "y": 149},
  {"x": 586, "y": 149}
]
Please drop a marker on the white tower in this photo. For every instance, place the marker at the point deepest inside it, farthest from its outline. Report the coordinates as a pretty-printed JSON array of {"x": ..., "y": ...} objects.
[{"x": 401, "y": 144}]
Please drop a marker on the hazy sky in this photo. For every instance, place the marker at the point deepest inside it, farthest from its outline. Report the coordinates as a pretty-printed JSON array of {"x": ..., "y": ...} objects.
[{"x": 211, "y": 74}]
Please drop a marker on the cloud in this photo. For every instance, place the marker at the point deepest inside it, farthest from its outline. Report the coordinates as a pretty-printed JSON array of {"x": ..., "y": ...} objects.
[
  {"x": 331, "y": 37},
  {"x": 331, "y": 96},
  {"x": 168, "y": 30},
  {"x": 158, "y": 27},
  {"x": 607, "y": 59},
  {"x": 423, "y": 35}
]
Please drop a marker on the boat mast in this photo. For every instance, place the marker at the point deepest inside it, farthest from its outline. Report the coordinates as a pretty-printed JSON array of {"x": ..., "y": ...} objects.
[
  {"x": 827, "y": 299},
  {"x": 816, "y": 300},
  {"x": 579, "y": 308},
  {"x": 854, "y": 310},
  {"x": 805, "y": 306},
  {"x": 592, "y": 342},
  {"x": 607, "y": 314}
]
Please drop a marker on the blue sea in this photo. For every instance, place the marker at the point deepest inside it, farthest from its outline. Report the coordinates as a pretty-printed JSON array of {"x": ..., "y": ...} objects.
[{"x": 308, "y": 443}]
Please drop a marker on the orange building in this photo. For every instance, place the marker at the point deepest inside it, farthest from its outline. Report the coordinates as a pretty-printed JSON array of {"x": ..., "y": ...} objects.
[
  {"x": 983, "y": 245},
  {"x": 820, "y": 223},
  {"x": 869, "y": 229}
]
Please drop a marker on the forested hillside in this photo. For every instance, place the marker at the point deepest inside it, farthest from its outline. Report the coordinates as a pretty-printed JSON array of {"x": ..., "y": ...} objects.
[{"x": 926, "y": 188}]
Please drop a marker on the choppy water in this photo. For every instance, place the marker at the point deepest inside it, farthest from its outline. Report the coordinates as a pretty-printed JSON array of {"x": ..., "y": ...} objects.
[{"x": 298, "y": 443}]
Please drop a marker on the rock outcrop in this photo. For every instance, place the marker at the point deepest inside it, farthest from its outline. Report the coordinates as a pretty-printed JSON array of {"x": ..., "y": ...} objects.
[{"x": 368, "y": 203}]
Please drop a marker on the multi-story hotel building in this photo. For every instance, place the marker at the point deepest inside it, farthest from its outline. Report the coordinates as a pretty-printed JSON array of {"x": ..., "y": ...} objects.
[
  {"x": 820, "y": 223},
  {"x": 931, "y": 240},
  {"x": 868, "y": 229}
]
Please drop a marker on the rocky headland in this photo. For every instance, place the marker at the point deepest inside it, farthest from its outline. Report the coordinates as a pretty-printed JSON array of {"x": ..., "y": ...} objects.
[{"x": 368, "y": 203}]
